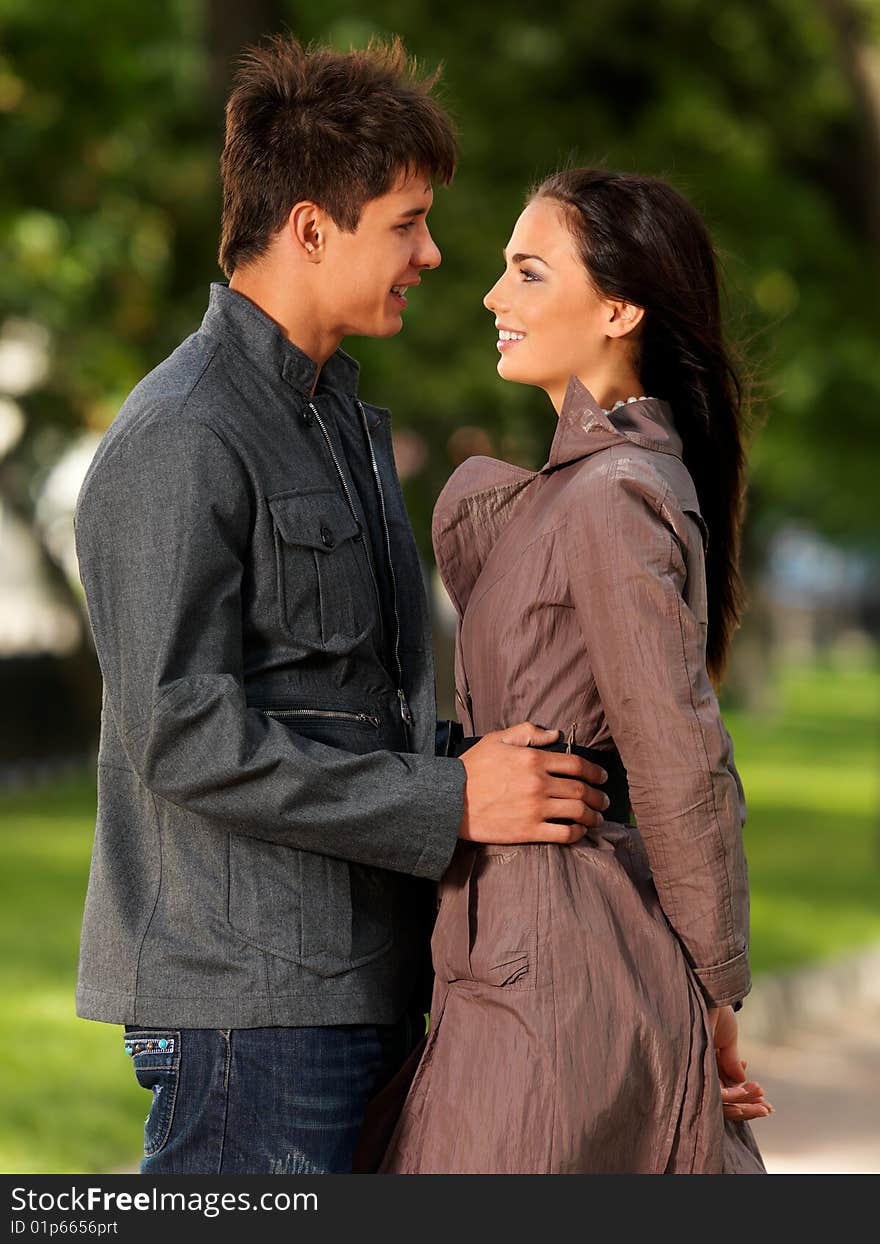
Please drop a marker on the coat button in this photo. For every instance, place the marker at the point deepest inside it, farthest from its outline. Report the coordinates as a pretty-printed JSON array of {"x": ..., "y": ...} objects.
[
  {"x": 327, "y": 537},
  {"x": 307, "y": 416}
]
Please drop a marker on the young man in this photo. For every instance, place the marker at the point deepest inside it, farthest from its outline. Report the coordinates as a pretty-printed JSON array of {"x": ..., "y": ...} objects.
[{"x": 271, "y": 809}]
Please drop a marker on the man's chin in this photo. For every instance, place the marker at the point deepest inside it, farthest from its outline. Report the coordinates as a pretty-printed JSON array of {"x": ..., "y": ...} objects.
[{"x": 390, "y": 328}]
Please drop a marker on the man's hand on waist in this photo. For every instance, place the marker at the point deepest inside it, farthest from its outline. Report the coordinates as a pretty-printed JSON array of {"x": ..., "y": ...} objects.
[{"x": 514, "y": 790}]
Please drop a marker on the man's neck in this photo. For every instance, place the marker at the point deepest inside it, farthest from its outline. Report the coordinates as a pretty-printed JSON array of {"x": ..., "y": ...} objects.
[{"x": 296, "y": 321}]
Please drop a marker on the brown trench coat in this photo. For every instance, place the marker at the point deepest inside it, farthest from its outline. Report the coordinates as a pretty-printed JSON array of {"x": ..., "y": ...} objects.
[{"x": 568, "y": 1027}]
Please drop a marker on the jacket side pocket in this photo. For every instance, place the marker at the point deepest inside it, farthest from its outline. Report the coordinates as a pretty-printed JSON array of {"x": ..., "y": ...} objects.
[{"x": 297, "y": 905}]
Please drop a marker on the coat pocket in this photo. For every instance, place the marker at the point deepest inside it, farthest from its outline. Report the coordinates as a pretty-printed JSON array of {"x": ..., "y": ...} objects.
[
  {"x": 487, "y": 924},
  {"x": 298, "y": 905},
  {"x": 326, "y": 595}
]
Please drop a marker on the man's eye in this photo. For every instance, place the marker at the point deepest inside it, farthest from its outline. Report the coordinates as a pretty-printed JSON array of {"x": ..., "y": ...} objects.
[{"x": 411, "y": 225}]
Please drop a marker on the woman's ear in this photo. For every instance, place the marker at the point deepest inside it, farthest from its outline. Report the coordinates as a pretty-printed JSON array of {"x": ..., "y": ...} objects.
[{"x": 623, "y": 317}]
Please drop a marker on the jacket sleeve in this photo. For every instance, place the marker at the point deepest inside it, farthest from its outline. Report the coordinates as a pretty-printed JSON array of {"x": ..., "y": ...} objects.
[
  {"x": 163, "y": 525},
  {"x": 632, "y": 579}
]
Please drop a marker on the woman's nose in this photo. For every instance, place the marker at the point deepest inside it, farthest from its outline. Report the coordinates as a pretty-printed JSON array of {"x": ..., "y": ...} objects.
[{"x": 491, "y": 302}]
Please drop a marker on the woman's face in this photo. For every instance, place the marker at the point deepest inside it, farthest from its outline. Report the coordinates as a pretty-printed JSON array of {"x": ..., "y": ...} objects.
[{"x": 552, "y": 323}]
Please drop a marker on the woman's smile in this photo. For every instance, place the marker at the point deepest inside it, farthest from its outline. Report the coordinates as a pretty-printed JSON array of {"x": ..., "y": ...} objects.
[{"x": 508, "y": 337}]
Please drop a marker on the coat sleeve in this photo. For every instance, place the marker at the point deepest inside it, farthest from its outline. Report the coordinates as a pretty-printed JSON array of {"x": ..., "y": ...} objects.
[
  {"x": 163, "y": 526},
  {"x": 637, "y": 574}
]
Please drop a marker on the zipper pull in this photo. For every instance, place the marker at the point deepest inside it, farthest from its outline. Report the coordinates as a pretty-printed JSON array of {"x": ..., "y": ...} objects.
[
  {"x": 404, "y": 707},
  {"x": 466, "y": 703}
]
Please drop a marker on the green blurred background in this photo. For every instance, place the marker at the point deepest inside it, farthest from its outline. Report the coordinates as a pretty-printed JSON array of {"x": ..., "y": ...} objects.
[{"x": 766, "y": 113}]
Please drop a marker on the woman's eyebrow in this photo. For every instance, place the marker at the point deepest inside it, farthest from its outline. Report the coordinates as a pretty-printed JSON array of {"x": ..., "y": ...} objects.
[{"x": 519, "y": 257}]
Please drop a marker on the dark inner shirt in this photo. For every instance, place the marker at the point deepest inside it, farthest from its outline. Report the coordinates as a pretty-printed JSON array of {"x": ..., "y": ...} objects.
[{"x": 366, "y": 500}]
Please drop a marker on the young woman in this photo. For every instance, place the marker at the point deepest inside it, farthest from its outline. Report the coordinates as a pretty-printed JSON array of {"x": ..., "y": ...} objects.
[{"x": 583, "y": 1010}]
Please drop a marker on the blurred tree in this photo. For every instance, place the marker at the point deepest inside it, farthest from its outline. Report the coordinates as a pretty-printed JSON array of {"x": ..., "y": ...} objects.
[
  {"x": 763, "y": 111},
  {"x": 111, "y": 120}
]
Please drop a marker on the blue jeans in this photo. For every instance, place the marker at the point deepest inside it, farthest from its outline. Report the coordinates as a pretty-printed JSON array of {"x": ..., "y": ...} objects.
[{"x": 261, "y": 1101}]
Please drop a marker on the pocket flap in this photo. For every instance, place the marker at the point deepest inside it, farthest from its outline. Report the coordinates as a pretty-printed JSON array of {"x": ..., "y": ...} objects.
[{"x": 317, "y": 520}]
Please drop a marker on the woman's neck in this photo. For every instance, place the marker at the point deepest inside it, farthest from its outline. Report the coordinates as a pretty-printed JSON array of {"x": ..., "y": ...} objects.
[{"x": 606, "y": 387}]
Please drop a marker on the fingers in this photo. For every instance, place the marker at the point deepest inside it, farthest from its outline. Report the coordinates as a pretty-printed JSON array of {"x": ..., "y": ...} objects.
[
  {"x": 742, "y": 1114},
  {"x": 738, "y": 1094},
  {"x": 571, "y": 810},
  {"x": 745, "y": 1101},
  {"x": 524, "y": 734},
  {"x": 561, "y": 788},
  {"x": 563, "y": 834},
  {"x": 569, "y": 764}
]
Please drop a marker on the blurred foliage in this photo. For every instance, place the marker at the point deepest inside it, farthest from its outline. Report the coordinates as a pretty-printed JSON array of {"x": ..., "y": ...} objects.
[{"x": 109, "y": 201}]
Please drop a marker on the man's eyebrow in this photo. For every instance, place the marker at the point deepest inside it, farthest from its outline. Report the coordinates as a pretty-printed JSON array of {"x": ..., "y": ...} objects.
[
  {"x": 415, "y": 211},
  {"x": 520, "y": 257}
]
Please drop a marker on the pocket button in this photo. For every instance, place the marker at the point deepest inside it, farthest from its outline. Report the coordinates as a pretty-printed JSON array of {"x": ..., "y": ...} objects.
[{"x": 327, "y": 537}]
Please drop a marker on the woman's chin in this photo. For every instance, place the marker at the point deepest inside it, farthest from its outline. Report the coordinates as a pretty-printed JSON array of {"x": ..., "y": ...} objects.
[{"x": 508, "y": 370}]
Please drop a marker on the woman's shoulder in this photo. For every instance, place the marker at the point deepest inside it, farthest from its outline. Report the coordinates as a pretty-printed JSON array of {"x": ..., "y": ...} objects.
[
  {"x": 475, "y": 505},
  {"x": 624, "y": 475},
  {"x": 479, "y": 474}
]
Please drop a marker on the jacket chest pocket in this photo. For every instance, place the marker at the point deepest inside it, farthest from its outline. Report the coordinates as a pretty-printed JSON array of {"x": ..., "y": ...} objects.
[{"x": 325, "y": 590}]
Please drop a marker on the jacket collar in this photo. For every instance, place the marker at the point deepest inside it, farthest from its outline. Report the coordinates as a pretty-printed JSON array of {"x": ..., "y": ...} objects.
[
  {"x": 241, "y": 322},
  {"x": 584, "y": 428}
]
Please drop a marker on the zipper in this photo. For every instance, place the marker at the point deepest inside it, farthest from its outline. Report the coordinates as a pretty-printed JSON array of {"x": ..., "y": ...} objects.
[
  {"x": 467, "y": 706},
  {"x": 332, "y": 713},
  {"x": 354, "y": 513},
  {"x": 404, "y": 706}
]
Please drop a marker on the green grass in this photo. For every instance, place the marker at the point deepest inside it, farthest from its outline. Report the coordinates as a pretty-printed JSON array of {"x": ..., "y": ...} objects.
[
  {"x": 70, "y": 1101},
  {"x": 811, "y": 773}
]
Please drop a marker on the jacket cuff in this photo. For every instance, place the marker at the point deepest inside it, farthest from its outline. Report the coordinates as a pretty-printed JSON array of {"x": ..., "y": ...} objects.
[
  {"x": 725, "y": 983},
  {"x": 446, "y": 808}
]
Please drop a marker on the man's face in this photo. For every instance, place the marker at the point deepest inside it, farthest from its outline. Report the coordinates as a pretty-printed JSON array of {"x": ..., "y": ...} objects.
[{"x": 367, "y": 274}]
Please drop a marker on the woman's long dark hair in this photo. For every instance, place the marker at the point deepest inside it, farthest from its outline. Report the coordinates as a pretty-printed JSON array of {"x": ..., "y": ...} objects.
[{"x": 641, "y": 242}]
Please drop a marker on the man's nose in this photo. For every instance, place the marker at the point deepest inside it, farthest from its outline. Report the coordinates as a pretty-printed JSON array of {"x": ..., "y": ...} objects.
[{"x": 428, "y": 253}]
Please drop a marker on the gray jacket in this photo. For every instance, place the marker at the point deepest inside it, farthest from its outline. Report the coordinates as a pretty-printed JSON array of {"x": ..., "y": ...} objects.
[{"x": 268, "y": 792}]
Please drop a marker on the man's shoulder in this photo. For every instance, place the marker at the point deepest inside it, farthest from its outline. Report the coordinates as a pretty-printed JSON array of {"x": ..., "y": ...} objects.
[
  {"x": 176, "y": 405},
  {"x": 181, "y": 392},
  {"x": 183, "y": 384},
  {"x": 173, "y": 381}
]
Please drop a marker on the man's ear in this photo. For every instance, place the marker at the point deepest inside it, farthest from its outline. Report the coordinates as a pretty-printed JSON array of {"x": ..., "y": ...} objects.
[
  {"x": 306, "y": 226},
  {"x": 623, "y": 317}
]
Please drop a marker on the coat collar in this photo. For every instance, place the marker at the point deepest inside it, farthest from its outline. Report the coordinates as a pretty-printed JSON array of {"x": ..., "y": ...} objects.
[
  {"x": 584, "y": 428},
  {"x": 238, "y": 320}
]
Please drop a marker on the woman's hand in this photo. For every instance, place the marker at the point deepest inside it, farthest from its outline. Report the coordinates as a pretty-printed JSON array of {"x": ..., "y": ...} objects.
[{"x": 741, "y": 1098}]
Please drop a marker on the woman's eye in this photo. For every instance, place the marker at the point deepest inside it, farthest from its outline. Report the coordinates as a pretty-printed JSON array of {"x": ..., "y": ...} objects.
[{"x": 528, "y": 275}]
